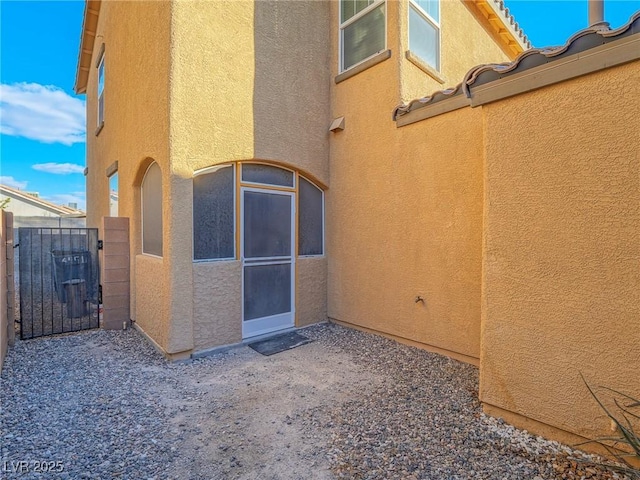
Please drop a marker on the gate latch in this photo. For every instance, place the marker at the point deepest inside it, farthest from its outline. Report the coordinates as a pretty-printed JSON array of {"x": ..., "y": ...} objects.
[{"x": 100, "y": 245}]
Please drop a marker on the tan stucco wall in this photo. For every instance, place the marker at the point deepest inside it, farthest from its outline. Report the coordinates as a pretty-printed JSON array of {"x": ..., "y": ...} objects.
[
  {"x": 405, "y": 220},
  {"x": 311, "y": 294},
  {"x": 464, "y": 44},
  {"x": 136, "y": 129},
  {"x": 229, "y": 70},
  {"x": 291, "y": 85},
  {"x": 253, "y": 80},
  {"x": 217, "y": 303},
  {"x": 250, "y": 96},
  {"x": 153, "y": 310},
  {"x": 404, "y": 212},
  {"x": 562, "y": 250}
]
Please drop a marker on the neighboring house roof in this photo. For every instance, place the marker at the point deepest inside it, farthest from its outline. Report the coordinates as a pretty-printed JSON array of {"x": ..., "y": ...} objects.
[
  {"x": 51, "y": 207},
  {"x": 87, "y": 40},
  {"x": 596, "y": 36}
]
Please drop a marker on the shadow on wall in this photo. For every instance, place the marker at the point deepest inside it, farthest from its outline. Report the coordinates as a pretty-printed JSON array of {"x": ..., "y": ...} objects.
[{"x": 291, "y": 85}]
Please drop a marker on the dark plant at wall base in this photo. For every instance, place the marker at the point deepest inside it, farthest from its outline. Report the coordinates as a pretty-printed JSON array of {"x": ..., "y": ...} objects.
[{"x": 625, "y": 446}]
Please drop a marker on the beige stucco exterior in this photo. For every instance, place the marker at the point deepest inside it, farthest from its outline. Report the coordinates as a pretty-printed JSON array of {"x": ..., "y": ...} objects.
[
  {"x": 191, "y": 114},
  {"x": 412, "y": 221},
  {"x": 562, "y": 251},
  {"x": 404, "y": 211},
  {"x": 505, "y": 240},
  {"x": 207, "y": 83},
  {"x": 136, "y": 38}
]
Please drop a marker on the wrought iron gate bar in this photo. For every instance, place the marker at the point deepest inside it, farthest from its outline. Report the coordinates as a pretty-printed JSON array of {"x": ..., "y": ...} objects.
[{"x": 58, "y": 280}]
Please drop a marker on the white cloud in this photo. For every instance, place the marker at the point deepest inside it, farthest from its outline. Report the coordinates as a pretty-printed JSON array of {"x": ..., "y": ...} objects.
[
  {"x": 44, "y": 113},
  {"x": 12, "y": 182},
  {"x": 59, "y": 168}
]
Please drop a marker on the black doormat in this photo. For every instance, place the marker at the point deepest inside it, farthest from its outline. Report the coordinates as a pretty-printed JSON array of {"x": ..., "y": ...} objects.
[{"x": 279, "y": 343}]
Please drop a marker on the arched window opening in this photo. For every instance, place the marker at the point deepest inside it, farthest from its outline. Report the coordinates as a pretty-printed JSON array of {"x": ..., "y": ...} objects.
[{"x": 152, "y": 211}]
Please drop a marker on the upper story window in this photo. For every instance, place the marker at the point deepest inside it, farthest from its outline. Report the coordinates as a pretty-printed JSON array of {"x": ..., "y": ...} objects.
[
  {"x": 362, "y": 31},
  {"x": 152, "y": 211},
  {"x": 101, "y": 90},
  {"x": 424, "y": 31}
]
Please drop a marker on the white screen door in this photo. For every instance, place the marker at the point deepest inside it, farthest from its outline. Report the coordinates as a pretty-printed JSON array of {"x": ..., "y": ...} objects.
[{"x": 267, "y": 261}]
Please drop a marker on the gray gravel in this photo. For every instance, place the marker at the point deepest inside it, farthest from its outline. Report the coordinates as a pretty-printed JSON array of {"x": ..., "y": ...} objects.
[{"x": 348, "y": 405}]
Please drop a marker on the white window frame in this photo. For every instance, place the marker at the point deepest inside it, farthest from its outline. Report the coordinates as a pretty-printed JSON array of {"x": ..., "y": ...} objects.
[
  {"x": 100, "y": 91},
  {"x": 435, "y": 24},
  {"x": 342, "y": 25}
]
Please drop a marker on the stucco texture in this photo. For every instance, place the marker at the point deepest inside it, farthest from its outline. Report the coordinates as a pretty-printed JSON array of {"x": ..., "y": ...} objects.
[
  {"x": 217, "y": 303},
  {"x": 239, "y": 101},
  {"x": 404, "y": 211},
  {"x": 243, "y": 99},
  {"x": 229, "y": 72},
  {"x": 291, "y": 85},
  {"x": 562, "y": 249},
  {"x": 311, "y": 293},
  {"x": 152, "y": 315},
  {"x": 135, "y": 133},
  {"x": 405, "y": 221},
  {"x": 200, "y": 83}
]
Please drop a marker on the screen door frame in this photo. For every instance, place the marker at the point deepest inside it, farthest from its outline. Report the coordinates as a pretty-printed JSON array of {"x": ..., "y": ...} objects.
[{"x": 283, "y": 320}]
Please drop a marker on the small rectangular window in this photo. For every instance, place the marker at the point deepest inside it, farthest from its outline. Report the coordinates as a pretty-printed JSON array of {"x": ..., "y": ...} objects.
[
  {"x": 113, "y": 195},
  {"x": 424, "y": 31},
  {"x": 214, "y": 214},
  {"x": 362, "y": 31},
  {"x": 310, "y": 219},
  {"x": 101, "y": 91}
]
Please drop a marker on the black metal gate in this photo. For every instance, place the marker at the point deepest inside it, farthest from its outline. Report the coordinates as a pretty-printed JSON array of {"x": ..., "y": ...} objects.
[{"x": 58, "y": 280}]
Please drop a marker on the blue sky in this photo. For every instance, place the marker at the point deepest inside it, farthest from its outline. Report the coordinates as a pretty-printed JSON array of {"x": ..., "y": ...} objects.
[{"x": 42, "y": 135}]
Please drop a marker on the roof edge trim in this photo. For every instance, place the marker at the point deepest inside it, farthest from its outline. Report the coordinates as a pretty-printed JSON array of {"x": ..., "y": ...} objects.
[
  {"x": 583, "y": 53},
  {"x": 87, "y": 39}
]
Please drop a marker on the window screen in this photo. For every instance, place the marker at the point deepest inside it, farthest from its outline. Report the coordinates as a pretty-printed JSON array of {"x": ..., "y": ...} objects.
[
  {"x": 310, "y": 219},
  {"x": 258, "y": 173},
  {"x": 213, "y": 214},
  {"x": 152, "y": 211}
]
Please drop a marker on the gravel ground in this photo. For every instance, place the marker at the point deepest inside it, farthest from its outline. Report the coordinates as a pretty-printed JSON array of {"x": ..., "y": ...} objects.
[{"x": 348, "y": 405}]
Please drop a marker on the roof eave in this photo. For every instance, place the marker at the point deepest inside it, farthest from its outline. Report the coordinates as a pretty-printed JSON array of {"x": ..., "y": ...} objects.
[
  {"x": 501, "y": 24},
  {"x": 87, "y": 40}
]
